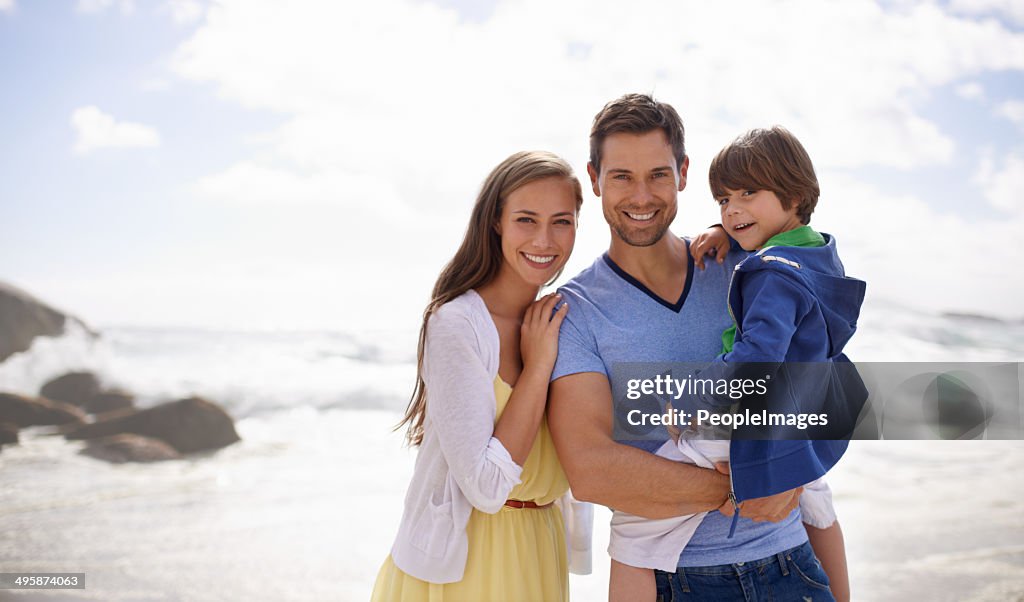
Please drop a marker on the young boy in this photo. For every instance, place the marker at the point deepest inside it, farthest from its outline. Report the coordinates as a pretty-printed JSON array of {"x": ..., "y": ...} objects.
[{"x": 792, "y": 303}]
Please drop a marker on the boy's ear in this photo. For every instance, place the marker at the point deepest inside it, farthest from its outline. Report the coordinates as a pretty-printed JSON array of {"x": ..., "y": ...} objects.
[{"x": 593, "y": 178}]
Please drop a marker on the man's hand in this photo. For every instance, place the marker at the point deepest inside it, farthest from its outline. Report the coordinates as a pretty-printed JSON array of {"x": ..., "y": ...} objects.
[{"x": 770, "y": 509}]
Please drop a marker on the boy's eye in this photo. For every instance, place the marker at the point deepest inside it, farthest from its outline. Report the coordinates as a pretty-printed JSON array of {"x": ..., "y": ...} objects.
[
  {"x": 749, "y": 192},
  {"x": 722, "y": 200}
]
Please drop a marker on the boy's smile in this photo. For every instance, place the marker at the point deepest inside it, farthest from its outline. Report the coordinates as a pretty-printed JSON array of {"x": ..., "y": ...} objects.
[{"x": 754, "y": 216}]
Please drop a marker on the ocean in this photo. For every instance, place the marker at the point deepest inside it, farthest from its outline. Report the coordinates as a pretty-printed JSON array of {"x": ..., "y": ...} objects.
[{"x": 306, "y": 505}]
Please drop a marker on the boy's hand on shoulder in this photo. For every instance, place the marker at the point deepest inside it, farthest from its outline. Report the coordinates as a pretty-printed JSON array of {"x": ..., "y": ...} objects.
[{"x": 713, "y": 242}]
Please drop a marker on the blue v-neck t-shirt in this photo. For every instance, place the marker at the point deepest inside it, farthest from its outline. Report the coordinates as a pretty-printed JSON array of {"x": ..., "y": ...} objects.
[{"x": 613, "y": 318}]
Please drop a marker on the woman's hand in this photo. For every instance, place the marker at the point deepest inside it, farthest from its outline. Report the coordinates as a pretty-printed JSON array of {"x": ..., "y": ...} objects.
[
  {"x": 538, "y": 341},
  {"x": 713, "y": 241}
]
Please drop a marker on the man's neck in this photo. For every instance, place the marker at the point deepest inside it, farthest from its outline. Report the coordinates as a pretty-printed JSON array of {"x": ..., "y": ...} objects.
[{"x": 658, "y": 266}]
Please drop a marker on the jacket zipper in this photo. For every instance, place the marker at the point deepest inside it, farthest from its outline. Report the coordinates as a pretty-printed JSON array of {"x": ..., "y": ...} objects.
[{"x": 732, "y": 487}]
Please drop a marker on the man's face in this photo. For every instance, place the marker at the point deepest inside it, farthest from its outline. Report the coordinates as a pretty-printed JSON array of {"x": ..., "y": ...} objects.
[{"x": 638, "y": 183}]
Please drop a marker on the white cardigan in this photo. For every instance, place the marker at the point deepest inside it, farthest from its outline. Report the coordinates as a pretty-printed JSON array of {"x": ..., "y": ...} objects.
[{"x": 460, "y": 464}]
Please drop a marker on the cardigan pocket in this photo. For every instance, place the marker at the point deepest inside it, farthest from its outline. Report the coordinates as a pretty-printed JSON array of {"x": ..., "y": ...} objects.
[{"x": 434, "y": 528}]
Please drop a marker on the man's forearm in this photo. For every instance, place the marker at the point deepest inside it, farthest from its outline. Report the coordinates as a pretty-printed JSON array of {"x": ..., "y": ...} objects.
[
  {"x": 616, "y": 475},
  {"x": 635, "y": 481}
]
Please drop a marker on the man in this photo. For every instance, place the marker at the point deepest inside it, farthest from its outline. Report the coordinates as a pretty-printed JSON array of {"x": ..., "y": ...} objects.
[{"x": 643, "y": 301}]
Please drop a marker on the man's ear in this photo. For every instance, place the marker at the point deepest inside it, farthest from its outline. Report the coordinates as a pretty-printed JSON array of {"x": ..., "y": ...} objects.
[
  {"x": 682, "y": 172},
  {"x": 593, "y": 179}
]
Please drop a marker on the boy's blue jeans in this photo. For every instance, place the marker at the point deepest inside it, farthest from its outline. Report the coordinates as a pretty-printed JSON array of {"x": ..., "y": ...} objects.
[{"x": 794, "y": 574}]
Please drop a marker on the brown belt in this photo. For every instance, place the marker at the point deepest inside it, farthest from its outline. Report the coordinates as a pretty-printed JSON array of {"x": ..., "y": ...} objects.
[{"x": 522, "y": 504}]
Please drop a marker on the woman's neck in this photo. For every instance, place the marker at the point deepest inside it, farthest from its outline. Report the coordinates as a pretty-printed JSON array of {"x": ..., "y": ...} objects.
[{"x": 507, "y": 295}]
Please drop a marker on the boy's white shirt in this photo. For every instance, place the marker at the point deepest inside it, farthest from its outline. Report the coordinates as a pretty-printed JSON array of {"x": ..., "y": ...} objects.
[{"x": 657, "y": 543}]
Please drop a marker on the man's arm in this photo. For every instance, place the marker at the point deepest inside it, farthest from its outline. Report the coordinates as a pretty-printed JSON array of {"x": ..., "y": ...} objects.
[{"x": 616, "y": 475}]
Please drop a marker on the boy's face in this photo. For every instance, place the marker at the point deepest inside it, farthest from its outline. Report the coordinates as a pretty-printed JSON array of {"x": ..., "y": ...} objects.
[
  {"x": 638, "y": 183},
  {"x": 754, "y": 216}
]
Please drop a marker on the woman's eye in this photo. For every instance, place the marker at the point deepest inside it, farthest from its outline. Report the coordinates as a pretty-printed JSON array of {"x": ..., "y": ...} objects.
[
  {"x": 564, "y": 222},
  {"x": 525, "y": 220}
]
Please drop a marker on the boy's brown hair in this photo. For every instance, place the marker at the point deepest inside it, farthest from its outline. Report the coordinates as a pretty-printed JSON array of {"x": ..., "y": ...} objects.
[
  {"x": 768, "y": 159},
  {"x": 637, "y": 114}
]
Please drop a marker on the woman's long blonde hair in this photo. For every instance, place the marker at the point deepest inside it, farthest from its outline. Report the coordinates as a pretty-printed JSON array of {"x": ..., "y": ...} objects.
[{"x": 479, "y": 257}]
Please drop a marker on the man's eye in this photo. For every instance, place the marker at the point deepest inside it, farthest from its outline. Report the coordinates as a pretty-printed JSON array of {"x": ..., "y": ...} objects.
[{"x": 621, "y": 176}]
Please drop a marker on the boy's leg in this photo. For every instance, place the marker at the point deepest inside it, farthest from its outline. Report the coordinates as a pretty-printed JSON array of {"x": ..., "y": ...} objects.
[
  {"x": 830, "y": 549},
  {"x": 629, "y": 583}
]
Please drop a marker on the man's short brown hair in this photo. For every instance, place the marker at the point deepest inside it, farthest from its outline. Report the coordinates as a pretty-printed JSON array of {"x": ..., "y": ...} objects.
[
  {"x": 768, "y": 159},
  {"x": 637, "y": 114}
]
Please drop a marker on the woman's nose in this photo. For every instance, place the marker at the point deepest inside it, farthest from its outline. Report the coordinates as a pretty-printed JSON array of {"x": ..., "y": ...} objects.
[{"x": 542, "y": 238}]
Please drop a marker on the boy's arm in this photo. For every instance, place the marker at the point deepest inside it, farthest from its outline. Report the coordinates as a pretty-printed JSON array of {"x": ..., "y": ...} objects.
[{"x": 830, "y": 549}]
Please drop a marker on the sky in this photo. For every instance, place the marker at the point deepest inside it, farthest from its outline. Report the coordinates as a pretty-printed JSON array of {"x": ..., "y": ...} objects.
[{"x": 311, "y": 164}]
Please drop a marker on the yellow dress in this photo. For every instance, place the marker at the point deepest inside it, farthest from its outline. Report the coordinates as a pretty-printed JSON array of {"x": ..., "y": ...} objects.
[{"x": 515, "y": 555}]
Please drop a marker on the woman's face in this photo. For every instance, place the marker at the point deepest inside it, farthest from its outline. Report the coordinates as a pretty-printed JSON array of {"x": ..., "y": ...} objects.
[{"x": 538, "y": 229}]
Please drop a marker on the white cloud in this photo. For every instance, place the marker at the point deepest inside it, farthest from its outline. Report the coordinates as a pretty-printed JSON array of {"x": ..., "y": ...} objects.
[
  {"x": 1012, "y": 110},
  {"x": 7, "y": 6},
  {"x": 911, "y": 253},
  {"x": 1002, "y": 184},
  {"x": 397, "y": 102},
  {"x": 971, "y": 91},
  {"x": 185, "y": 11},
  {"x": 127, "y": 7},
  {"x": 96, "y": 130},
  {"x": 393, "y": 83},
  {"x": 1012, "y": 10},
  {"x": 251, "y": 183}
]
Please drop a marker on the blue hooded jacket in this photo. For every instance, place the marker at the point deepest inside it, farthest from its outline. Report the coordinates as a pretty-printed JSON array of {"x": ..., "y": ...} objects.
[{"x": 792, "y": 305}]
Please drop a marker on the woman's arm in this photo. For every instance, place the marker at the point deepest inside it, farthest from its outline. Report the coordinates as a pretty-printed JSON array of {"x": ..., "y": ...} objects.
[
  {"x": 517, "y": 428},
  {"x": 460, "y": 411}
]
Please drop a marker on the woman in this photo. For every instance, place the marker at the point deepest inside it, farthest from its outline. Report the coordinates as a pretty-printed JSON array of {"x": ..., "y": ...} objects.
[{"x": 479, "y": 523}]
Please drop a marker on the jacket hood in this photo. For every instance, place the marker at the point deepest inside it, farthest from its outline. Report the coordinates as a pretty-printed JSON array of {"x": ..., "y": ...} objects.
[{"x": 820, "y": 270}]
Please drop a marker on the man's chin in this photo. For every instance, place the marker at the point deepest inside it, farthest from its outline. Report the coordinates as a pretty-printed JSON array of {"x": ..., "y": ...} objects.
[{"x": 641, "y": 239}]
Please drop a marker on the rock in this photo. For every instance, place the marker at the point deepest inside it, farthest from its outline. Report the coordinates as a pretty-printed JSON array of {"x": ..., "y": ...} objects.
[
  {"x": 76, "y": 388},
  {"x": 26, "y": 411},
  {"x": 23, "y": 318},
  {"x": 109, "y": 401},
  {"x": 129, "y": 448},
  {"x": 8, "y": 434},
  {"x": 188, "y": 425}
]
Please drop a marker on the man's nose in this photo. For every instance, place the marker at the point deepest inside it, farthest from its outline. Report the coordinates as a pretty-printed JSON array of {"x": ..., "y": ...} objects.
[{"x": 643, "y": 190}]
